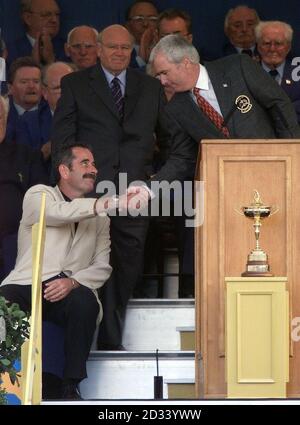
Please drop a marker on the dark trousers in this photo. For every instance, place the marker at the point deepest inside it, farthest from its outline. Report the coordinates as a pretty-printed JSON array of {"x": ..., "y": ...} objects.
[
  {"x": 128, "y": 235},
  {"x": 76, "y": 313}
]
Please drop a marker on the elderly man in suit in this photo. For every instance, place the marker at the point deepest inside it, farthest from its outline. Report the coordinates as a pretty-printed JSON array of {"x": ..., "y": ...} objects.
[
  {"x": 82, "y": 46},
  {"x": 117, "y": 110},
  {"x": 239, "y": 27},
  {"x": 76, "y": 258},
  {"x": 274, "y": 39},
  {"x": 41, "y": 19},
  {"x": 231, "y": 97}
]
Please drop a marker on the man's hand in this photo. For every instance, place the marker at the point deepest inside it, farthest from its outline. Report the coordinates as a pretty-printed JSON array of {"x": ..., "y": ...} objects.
[
  {"x": 148, "y": 40},
  {"x": 58, "y": 289},
  {"x": 138, "y": 197},
  {"x": 46, "y": 150},
  {"x": 43, "y": 51}
]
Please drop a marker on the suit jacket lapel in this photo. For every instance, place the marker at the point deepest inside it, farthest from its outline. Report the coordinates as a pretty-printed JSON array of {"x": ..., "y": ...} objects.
[
  {"x": 191, "y": 109},
  {"x": 99, "y": 84}
]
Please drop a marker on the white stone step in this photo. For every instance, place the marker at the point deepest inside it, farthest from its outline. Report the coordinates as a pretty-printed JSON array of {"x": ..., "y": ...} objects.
[
  {"x": 130, "y": 375},
  {"x": 151, "y": 323}
]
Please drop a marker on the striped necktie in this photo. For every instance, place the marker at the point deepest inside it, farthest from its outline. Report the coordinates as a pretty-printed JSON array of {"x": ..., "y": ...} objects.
[
  {"x": 117, "y": 95},
  {"x": 210, "y": 112}
]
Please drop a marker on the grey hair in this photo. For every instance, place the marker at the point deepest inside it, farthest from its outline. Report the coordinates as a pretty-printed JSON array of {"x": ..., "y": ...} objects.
[
  {"x": 175, "y": 48},
  {"x": 26, "y": 6},
  {"x": 288, "y": 30},
  {"x": 46, "y": 69},
  {"x": 230, "y": 12},
  {"x": 79, "y": 27}
]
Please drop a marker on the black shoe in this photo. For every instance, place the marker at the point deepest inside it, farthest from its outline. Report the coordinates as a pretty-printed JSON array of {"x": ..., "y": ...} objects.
[
  {"x": 70, "y": 392},
  {"x": 111, "y": 347},
  {"x": 52, "y": 386}
]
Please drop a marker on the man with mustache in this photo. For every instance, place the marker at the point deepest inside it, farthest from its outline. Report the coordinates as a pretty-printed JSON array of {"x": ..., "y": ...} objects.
[
  {"x": 76, "y": 257},
  {"x": 118, "y": 109},
  {"x": 25, "y": 92}
]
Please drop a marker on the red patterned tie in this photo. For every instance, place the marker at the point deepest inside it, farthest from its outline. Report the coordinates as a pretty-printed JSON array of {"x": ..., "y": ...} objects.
[{"x": 210, "y": 112}]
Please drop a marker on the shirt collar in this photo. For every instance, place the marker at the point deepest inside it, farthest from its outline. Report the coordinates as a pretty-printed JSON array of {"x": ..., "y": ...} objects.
[
  {"x": 203, "y": 79},
  {"x": 21, "y": 110},
  {"x": 31, "y": 39},
  {"x": 240, "y": 49},
  {"x": 279, "y": 68},
  {"x": 121, "y": 77}
]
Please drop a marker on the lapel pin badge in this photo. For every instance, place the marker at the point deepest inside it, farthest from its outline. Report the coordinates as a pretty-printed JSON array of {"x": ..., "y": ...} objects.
[
  {"x": 288, "y": 82},
  {"x": 243, "y": 103}
]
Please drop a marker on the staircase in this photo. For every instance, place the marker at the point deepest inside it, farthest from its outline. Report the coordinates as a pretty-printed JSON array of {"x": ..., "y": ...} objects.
[{"x": 151, "y": 324}]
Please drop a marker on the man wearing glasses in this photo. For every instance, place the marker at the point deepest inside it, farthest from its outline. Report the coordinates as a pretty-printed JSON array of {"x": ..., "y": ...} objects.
[
  {"x": 82, "y": 46},
  {"x": 141, "y": 22},
  {"x": 41, "y": 19},
  {"x": 274, "y": 39}
]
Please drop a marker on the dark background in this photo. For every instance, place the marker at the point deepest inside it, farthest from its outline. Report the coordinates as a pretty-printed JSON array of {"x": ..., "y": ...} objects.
[{"x": 207, "y": 16}]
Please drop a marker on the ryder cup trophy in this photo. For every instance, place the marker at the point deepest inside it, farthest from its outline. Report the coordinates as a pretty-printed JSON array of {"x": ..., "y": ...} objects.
[{"x": 257, "y": 264}]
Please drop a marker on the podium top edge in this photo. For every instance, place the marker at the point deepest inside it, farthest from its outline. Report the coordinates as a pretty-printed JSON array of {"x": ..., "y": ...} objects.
[
  {"x": 246, "y": 141},
  {"x": 256, "y": 279}
]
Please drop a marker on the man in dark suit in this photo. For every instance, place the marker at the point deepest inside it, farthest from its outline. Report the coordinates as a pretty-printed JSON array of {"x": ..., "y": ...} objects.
[
  {"x": 247, "y": 103},
  {"x": 274, "y": 39},
  {"x": 41, "y": 19},
  {"x": 239, "y": 27},
  {"x": 117, "y": 109},
  {"x": 227, "y": 98}
]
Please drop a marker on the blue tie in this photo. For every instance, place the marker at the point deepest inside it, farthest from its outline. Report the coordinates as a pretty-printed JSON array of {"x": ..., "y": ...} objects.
[{"x": 117, "y": 95}]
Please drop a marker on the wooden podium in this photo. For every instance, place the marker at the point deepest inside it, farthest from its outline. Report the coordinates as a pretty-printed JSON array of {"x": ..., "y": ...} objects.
[{"x": 231, "y": 170}]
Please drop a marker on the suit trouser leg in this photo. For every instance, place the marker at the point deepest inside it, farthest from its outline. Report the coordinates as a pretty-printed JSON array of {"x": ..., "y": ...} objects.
[
  {"x": 128, "y": 237},
  {"x": 77, "y": 314}
]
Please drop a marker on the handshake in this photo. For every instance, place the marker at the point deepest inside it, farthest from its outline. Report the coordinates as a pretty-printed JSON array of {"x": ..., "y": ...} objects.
[{"x": 134, "y": 200}]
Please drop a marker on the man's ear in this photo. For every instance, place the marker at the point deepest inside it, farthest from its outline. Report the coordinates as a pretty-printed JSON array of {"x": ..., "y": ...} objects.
[
  {"x": 27, "y": 18},
  {"x": 67, "y": 51},
  {"x": 64, "y": 171}
]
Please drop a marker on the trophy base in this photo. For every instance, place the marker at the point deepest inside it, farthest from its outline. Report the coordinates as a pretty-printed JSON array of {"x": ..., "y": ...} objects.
[
  {"x": 257, "y": 274},
  {"x": 257, "y": 269}
]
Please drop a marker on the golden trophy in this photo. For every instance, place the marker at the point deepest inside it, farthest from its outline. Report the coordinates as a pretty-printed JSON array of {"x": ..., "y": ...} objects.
[{"x": 257, "y": 264}]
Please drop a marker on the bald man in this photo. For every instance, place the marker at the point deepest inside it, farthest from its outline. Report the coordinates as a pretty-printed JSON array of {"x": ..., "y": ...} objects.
[
  {"x": 82, "y": 46},
  {"x": 121, "y": 131}
]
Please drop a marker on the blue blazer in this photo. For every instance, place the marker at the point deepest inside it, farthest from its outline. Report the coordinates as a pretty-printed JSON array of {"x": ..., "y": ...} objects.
[
  {"x": 13, "y": 132},
  {"x": 22, "y": 47},
  {"x": 292, "y": 88},
  {"x": 34, "y": 127}
]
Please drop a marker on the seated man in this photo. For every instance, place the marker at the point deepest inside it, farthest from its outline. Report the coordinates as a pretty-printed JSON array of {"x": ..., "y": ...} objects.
[
  {"x": 82, "y": 46},
  {"x": 76, "y": 257},
  {"x": 41, "y": 20},
  {"x": 20, "y": 168},
  {"x": 274, "y": 39},
  {"x": 34, "y": 127},
  {"x": 239, "y": 27},
  {"x": 25, "y": 92},
  {"x": 141, "y": 21}
]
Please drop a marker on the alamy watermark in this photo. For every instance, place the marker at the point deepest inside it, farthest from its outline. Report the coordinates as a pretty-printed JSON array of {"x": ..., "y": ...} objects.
[{"x": 180, "y": 199}]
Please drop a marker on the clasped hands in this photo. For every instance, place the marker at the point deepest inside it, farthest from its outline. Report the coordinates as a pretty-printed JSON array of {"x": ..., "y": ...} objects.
[{"x": 135, "y": 199}]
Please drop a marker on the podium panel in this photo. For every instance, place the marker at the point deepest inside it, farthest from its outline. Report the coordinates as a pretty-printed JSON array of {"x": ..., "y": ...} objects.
[
  {"x": 231, "y": 170},
  {"x": 256, "y": 337}
]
